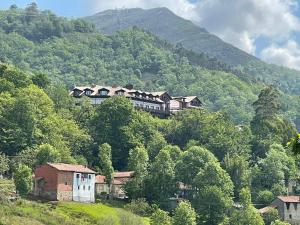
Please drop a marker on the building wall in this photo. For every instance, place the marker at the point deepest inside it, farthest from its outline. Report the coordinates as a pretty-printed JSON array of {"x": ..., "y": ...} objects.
[
  {"x": 84, "y": 187},
  {"x": 97, "y": 101},
  {"x": 46, "y": 188},
  {"x": 65, "y": 186},
  {"x": 145, "y": 104},
  {"x": 101, "y": 188},
  {"x": 289, "y": 212},
  {"x": 117, "y": 191}
]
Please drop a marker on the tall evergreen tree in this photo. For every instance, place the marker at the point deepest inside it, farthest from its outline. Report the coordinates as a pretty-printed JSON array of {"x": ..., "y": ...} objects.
[{"x": 106, "y": 163}]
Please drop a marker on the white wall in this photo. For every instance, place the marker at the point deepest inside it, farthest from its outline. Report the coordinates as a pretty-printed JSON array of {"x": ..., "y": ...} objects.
[
  {"x": 86, "y": 191},
  {"x": 144, "y": 104}
]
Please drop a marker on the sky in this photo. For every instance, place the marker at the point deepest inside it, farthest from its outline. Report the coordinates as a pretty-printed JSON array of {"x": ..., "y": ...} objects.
[{"x": 268, "y": 29}]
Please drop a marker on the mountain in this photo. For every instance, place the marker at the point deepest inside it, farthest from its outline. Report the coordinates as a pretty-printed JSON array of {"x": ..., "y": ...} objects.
[
  {"x": 73, "y": 52},
  {"x": 176, "y": 30},
  {"x": 168, "y": 26}
]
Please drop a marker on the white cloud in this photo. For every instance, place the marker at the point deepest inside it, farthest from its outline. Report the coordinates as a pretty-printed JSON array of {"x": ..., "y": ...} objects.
[
  {"x": 286, "y": 55},
  {"x": 241, "y": 22}
]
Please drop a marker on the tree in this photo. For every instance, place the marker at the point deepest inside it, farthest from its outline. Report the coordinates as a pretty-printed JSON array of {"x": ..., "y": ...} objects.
[
  {"x": 266, "y": 125},
  {"x": 41, "y": 80},
  {"x": 274, "y": 171},
  {"x": 160, "y": 183},
  {"x": 278, "y": 222},
  {"x": 237, "y": 167},
  {"x": 160, "y": 217},
  {"x": 184, "y": 214},
  {"x": 47, "y": 153},
  {"x": 271, "y": 216},
  {"x": 264, "y": 197},
  {"x": 31, "y": 11},
  {"x": 23, "y": 179},
  {"x": 137, "y": 162},
  {"x": 267, "y": 105},
  {"x": 248, "y": 215},
  {"x": 213, "y": 195},
  {"x": 190, "y": 163},
  {"x": 106, "y": 163},
  {"x": 110, "y": 125},
  {"x": 4, "y": 164},
  {"x": 294, "y": 144}
]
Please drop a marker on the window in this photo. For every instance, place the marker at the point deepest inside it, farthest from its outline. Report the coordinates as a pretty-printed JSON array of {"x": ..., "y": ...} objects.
[
  {"x": 88, "y": 93},
  {"x": 157, "y": 107},
  {"x": 77, "y": 92},
  {"x": 147, "y": 106},
  {"x": 84, "y": 187},
  {"x": 290, "y": 216},
  {"x": 288, "y": 205},
  {"x": 120, "y": 93},
  {"x": 90, "y": 177},
  {"x": 78, "y": 187},
  {"x": 152, "y": 107},
  {"x": 103, "y": 92},
  {"x": 66, "y": 183},
  {"x": 77, "y": 176},
  {"x": 89, "y": 188}
]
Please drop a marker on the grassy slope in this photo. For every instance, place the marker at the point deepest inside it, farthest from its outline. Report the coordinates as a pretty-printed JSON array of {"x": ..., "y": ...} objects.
[{"x": 68, "y": 213}]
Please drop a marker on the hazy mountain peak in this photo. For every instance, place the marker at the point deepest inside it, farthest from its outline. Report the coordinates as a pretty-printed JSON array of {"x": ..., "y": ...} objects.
[{"x": 167, "y": 25}]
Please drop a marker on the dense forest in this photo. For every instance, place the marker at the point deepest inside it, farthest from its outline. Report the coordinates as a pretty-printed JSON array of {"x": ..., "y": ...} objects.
[
  {"x": 72, "y": 52},
  {"x": 219, "y": 162},
  {"x": 226, "y": 168}
]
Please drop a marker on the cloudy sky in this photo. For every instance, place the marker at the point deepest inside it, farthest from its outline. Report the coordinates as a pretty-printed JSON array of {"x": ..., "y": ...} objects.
[{"x": 269, "y": 29}]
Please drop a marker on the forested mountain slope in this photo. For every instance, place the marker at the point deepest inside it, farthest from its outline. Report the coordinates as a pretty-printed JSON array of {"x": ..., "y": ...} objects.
[
  {"x": 73, "y": 53},
  {"x": 168, "y": 26}
]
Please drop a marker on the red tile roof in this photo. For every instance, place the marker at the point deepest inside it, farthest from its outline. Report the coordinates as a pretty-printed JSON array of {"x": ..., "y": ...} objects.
[
  {"x": 100, "y": 179},
  {"x": 71, "y": 168},
  {"x": 119, "y": 178},
  {"x": 289, "y": 198}
]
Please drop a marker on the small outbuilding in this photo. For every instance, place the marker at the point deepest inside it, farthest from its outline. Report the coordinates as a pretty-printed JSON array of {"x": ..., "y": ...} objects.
[
  {"x": 117, "y": 187},
  {"x": 64, "y": 182},
  {"x": 288, "y": 208}
]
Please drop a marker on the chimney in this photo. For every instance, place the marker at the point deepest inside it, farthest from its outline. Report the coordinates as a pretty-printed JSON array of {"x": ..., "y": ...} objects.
[{"x": 129, "y": 86}]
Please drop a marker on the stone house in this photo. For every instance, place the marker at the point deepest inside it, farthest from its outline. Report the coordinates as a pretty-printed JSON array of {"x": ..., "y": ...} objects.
[
  {"x": 117, "y": 186},
  {"x": 64, "y": 182},
  {"x": 288, "y": 208}
]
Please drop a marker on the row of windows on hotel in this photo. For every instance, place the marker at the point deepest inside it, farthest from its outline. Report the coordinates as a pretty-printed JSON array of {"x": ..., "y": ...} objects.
[
  {"x": 105, "y": 92},
  {"x": 147, "y": 106}
]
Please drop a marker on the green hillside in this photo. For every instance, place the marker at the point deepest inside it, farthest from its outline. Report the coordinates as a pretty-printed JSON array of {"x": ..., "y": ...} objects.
[
  {"x": 68, "y": 213},
  {"x": 70, "y": 51},
  {"x": 33, "y": 213},
  {"x": 176, "y": 30},
  {"x": 168, "y": 26}
]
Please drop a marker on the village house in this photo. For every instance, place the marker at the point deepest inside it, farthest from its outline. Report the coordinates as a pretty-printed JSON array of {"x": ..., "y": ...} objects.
[
  {"x": 189, "y": 102},
  {"x": 117, "y": 186},
  {"x": 288, "y": 208},
  {"x": 64, "y": 182},
  {"x": 157, "y": 103}
]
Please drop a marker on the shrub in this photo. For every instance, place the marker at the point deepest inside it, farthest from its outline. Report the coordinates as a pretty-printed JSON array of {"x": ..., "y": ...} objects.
[{"x": 140, "y": 207}]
